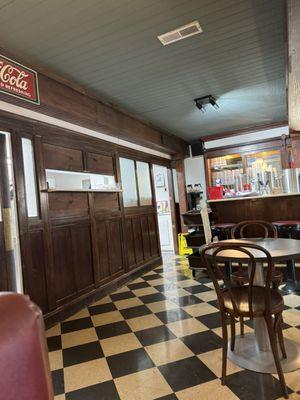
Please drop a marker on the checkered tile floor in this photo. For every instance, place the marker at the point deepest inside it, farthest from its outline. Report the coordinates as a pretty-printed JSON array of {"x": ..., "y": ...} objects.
[{"x": 159, "y": 337}]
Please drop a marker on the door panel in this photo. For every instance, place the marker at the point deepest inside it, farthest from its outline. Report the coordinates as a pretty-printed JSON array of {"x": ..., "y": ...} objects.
[
  {"x": 102, "y": 241},
  {"x": 115, "y": 246},
  {"x": 65, "y": 285},
  {"x": 82, "y": 256}
]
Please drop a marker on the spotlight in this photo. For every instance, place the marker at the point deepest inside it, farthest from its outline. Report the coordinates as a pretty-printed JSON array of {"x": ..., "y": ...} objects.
[
  {"x": 212, "y": 101},
  {"x": 200, "y": 106},
  {"x": 201, "y": 102}
]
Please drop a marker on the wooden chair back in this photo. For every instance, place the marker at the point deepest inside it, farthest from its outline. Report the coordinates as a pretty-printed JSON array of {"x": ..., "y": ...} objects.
[
  {"x": 267, "y": 227},
  {"x": 215, "y": 253}
]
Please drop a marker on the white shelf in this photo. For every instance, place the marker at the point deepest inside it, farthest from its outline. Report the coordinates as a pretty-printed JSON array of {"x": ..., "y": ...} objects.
[{"x": 84, "y": 190}]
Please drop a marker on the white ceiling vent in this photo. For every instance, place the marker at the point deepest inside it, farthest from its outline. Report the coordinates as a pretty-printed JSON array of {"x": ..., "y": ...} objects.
[{"x": 185, "y": 31}]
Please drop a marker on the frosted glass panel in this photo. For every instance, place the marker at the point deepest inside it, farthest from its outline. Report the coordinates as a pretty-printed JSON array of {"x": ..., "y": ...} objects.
[
  {"x": 30, "y": 182},
  {"x": 128, "y": 182},
  {"x": 144, "y": 183}
]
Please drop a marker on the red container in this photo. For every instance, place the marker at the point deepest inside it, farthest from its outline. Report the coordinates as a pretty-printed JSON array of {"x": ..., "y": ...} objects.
[{"x": 215, "y": 192}]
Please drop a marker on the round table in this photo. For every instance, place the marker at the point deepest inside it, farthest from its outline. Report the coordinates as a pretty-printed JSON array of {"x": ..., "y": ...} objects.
[{"x": 253, "y": 350}]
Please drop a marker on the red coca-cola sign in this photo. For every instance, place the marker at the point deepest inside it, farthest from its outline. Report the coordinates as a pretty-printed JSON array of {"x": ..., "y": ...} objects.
[{"x": 19, "y": 81}]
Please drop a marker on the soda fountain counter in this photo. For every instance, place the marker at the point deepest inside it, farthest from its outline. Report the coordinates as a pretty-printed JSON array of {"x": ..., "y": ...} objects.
[{"x": 253, "y": 181}]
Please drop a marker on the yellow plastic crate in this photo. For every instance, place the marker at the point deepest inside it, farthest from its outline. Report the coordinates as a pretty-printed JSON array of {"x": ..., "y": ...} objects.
[{"x": 182, "y": 246}]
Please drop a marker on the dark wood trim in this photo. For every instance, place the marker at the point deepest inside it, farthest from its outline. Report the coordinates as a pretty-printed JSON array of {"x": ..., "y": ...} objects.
[
  {"x": 172, "y": 208},
  {"x": 179, "y": 164},
  {"x": 244, "y": 148},
  {"x": 237, "y": 132}
]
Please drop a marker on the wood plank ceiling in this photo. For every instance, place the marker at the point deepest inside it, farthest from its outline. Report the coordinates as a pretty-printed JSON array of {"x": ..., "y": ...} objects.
[{"x": 110, "y": 47}]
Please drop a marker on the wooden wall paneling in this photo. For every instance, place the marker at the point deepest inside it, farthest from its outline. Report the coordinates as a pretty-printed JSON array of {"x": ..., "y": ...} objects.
[
  {"x": 44, "y": 215},
  {"x": 145, "y": 237},
  {"x": 94, "y": 239},
  {"x": 71, "y": 103},
  {"x": 68, "y": 204},
  {"x": 130, "y": 243},
  {"x": 57, "y": 157},
  {"x": 3, "y": 266},
  {"x": 172, "y": 208},
  {"x": 100, "y": 164},
  {"x": 115, "y": 239},
  {"x": 65, "y": 284},
  {"x": 181, "y": 191},
  {"x": 153, "y": 234},
  {"x": 126, "y": 241},
  {"x": 36, "y": 270},
  {"x": 106, "y": 202},
  {"x": 138, "y": 242},
  {"x": 82, "y": 256},
  {"x": 103, "y": 251}
]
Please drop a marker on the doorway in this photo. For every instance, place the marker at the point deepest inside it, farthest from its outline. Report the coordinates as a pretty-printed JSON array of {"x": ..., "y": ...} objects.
[
  {"x": 10, "y": 262},
  {"x": 164, "y": 208}
]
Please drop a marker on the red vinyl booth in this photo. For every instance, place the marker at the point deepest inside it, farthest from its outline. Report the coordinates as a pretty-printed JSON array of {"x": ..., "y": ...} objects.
[{"x": 24, "y": 362}]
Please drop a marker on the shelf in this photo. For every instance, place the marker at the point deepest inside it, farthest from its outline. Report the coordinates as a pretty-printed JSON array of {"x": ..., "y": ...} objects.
[{"x": 84, "y": 190}]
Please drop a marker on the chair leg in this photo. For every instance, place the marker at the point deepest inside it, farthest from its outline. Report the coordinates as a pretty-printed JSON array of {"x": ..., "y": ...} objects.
[
  {"x": 225, "y": 345},
  {"x": 242, "y": 326},
  {"x": 280, "y": 335},
  {"x": 232, "y": 329},
  {"x": 273, "y": 342}
]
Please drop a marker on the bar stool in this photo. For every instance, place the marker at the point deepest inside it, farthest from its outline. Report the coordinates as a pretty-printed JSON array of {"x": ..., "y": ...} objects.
[
  {"x": 287, "y": 229},
  {"x": 223, "y": 231}
]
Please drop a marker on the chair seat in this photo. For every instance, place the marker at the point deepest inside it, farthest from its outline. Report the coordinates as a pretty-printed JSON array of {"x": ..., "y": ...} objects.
[
  {"x": 240, "y": 295},
  {"x": 286, "y": 223}
]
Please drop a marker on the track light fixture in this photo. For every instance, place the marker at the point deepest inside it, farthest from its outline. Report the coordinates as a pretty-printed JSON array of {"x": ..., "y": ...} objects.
[{"x": 201, "y": 102}]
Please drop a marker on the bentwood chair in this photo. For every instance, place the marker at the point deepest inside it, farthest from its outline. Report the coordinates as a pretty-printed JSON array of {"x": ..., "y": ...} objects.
[
  {"x": 246, "y": 301},
  {"x": 240, "y": 277}
]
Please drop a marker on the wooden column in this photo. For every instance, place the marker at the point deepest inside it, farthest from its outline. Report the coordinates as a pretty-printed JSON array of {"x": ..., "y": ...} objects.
[
  {"x": 179, "y": 165},
  {"x": 293, "y": 23},
  {"x": 7, "y": 215}
]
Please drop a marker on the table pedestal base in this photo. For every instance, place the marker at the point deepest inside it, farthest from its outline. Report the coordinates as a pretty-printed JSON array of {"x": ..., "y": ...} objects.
[{"x": 247, "y": 355}]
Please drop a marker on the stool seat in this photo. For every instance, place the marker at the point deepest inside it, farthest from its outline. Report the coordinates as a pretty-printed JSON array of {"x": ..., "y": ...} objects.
[
  {"x": 286, "y": 223},
  {"x": 224, "y": 225}
]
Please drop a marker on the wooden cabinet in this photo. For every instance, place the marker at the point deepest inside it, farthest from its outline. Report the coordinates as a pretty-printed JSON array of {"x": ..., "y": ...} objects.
[
  {"x": 57, "y": 157},
  {"x": 81, "y": 242}
]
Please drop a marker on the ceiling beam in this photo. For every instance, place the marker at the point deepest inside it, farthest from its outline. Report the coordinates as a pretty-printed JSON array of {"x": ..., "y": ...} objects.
[{"x": 237, "y": 132}]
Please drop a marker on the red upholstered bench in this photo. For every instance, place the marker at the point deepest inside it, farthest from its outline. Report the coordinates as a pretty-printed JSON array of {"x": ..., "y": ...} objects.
[{"x": 24, "y": 363}]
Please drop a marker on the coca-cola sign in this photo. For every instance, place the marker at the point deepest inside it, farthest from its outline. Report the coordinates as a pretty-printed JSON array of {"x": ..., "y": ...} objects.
[{"x": 19, "y": 81}]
